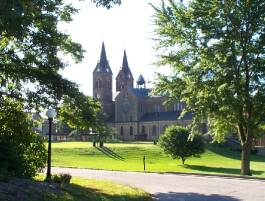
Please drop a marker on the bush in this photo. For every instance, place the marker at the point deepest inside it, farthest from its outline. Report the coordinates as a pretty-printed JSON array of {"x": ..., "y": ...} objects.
[
  {"x": 22, "y": 151},
  {"x": 10, "y": 160},
  {"x": 62, "y": 178},
  {"x": 175, "y": 142}
]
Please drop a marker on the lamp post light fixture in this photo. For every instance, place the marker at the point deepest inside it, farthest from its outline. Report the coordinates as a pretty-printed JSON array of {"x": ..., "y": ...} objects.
[{"x": 51, "y": 113}]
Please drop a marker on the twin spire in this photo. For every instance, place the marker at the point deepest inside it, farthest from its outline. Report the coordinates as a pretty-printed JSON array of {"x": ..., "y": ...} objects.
[{"x": 104, "y": 61}]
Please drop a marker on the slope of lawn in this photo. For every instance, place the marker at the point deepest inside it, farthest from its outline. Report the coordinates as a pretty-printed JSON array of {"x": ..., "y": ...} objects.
[
  {"x": 129, "y": 157},
  {"x": 78, "y": 190}
]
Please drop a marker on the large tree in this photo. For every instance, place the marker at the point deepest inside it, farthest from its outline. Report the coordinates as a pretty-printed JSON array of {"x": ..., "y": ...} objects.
[
  {"x": 30, "y": 49},
  {"x": 216, "y": 50}
]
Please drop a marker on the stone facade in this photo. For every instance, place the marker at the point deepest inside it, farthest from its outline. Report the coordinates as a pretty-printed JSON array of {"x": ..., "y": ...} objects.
[{"x": 135, "y": 113}]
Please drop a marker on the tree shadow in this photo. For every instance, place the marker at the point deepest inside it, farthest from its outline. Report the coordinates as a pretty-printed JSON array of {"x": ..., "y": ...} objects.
[
  {"x": 220, "y": 169},
  {"x": 108, "y": 152},
  {"x": 89, "y": 194},
  {"x": 233, "y": 154},
  {"x": 173, "y": 196}
]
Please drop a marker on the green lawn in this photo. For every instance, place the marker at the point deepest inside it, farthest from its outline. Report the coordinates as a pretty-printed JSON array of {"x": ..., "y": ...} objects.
[{"x": 129, "y": 157}]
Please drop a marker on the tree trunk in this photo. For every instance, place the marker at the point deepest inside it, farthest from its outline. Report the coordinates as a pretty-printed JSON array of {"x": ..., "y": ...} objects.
[
  {"x": 101, "y": 144},
  {"x": 183, "y": 161},
  {"x": 245, "y": 159}
]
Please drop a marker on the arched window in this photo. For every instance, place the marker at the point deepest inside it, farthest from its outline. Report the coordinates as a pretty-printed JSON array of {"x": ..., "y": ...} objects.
[
  {"x": 121, "y": 131},
  {"x": 143, "y": 130},
  {"x": 100, "y": 84},
  {"x": 105, "y": 84},
  {"x": 154, "y": 130},
  {"x": 131, "y": 130}
]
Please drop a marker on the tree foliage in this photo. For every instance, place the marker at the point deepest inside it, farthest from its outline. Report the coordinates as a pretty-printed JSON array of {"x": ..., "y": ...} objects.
[
  {"x": 216, "y": 51},
  {"x": 176, "y": 142},
  {"x": 30, "y": 49},
  {"x": 22, "y": 151},
  {"x": 30, "y": 61},
  {"x": 80, "y": 112},
  {"x": 30, "y": 45}
]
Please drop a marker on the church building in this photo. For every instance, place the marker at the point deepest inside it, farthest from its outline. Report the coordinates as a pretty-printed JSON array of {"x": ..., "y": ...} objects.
[{"x": 134, "y": 112}]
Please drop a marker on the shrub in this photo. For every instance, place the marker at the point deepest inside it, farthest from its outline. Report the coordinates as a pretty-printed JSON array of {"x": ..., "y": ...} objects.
[
  {"x": 175, "y": 142},
  {"x": 10, "y": 160},
  {"x": 62, "y": 178},
  {"x": 22, "y": 151}
]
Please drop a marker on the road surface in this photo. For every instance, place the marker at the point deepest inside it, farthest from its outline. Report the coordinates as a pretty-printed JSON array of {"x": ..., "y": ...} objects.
[{"x": 173, "y": 187}]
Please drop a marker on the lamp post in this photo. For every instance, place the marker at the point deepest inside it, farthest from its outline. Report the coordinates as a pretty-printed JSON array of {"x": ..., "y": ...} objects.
[{"x": 51, "y": 113}]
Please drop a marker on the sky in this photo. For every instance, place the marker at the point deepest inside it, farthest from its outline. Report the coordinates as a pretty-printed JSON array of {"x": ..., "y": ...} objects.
[{"x": 128, "y": 26}]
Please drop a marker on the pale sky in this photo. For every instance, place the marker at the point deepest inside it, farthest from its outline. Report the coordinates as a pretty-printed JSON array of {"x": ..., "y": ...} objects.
[{"x": 128, "y": 26}]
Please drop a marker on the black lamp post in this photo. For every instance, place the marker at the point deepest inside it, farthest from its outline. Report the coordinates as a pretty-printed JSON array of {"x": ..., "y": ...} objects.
[{"x": 51, "y": 113}]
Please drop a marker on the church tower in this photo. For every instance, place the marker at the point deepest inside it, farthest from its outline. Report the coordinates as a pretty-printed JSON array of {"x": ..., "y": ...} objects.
[
  {"x": 124, "y": 78},
  {"x": 102, "y": 83}
]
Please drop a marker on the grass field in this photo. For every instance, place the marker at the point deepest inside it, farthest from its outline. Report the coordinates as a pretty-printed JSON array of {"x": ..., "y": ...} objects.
[{"x": 129, "y": 157}]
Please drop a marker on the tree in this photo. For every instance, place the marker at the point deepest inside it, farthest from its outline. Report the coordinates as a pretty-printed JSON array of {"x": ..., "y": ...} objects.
[
  {"x": 80, "y": 112},
  {"x": 216, "y": 51},
  {"x": 104, "y": 132},
  {"x": 30, "y": 49},
  {"x": 175, "y": 142}
]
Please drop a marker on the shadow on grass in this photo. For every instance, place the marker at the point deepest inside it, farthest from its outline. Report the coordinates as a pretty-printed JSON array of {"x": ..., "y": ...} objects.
[
  {"x": 220, "y": 169},
  {"x": 81, "y": 193},
  {"x": 108, "y": 152},
  {"x": 226, "y": 152},
  {"x": 172, "y": 196}
]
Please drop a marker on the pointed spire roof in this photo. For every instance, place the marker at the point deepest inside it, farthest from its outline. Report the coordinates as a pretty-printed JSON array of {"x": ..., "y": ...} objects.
[
  {"x": 103, "y": 56},
  {"x": 103, "y": 64},
  {"x": 140, "y": 80},
  {"x": 125, "y": 66}
]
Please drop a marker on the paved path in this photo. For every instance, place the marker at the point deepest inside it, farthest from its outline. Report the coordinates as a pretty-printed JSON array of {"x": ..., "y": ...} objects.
[{"x": 171, "y": 187}]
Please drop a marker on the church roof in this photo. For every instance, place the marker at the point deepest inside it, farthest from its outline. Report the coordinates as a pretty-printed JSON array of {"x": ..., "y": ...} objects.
[
  {"x": 140, "y": 92},
  {"x": 103, "y": 56},
  {"x": 125, "y": 65},
  {"x": 165, "y": 116},
  {"x": 103, "y": 64},
  {"x": 125, "y": 69},
  {"x": 140, "y": 80}
]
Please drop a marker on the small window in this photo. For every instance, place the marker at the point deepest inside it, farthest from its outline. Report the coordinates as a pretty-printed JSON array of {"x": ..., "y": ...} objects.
[
  {"x": 131, "y": 130},
  {"x": 154, "y": 130},
  {"x": 121, "y": 131},
  {"x": 143, "y": 129}
]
